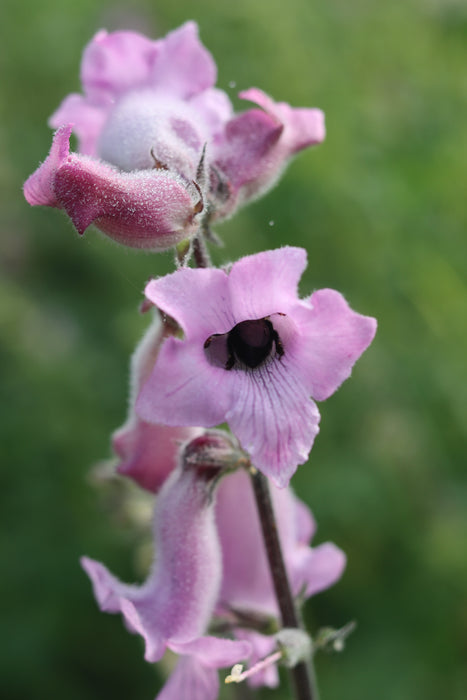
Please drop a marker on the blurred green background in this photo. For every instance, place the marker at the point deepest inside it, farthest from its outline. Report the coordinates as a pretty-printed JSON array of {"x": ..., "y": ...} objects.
[{"x": 381, "y": 209}]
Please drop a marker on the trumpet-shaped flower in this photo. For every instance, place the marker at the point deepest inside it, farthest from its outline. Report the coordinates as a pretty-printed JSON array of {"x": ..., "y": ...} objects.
[
  {"x": 247, "y": 585},
  {"x": 174, "y": 606},
  {"x": 253, "y": 354},
  {"x": 157, "y": 140},
  {"x": 147, "y": 209}
]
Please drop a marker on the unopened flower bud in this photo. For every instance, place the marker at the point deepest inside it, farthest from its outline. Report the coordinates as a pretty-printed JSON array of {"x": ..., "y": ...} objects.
[{"x": 212, "y": 452}]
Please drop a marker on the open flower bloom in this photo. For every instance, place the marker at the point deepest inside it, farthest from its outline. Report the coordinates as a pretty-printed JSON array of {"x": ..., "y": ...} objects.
[
  {"x": 148, "y": 113},
  {"x": 247, "y": 585},
  {"x": 148, "y": 452},
  {"x": 174, "y": 606},
  {"x": 253, "y": 355}
]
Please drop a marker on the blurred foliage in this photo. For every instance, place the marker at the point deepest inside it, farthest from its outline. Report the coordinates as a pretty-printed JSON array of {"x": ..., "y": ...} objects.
[{"x": 381, "y": 208}]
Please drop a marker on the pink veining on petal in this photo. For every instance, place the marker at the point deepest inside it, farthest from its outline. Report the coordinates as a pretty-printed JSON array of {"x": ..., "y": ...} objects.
[{"x": 205, "y": 379}]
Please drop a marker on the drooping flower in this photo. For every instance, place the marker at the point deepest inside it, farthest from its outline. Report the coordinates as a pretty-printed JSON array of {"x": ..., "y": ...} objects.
[
  {"x": 174, "y": 606},
  {"x": 253, "y": 355},
  {"x": 161, "y": 149}
]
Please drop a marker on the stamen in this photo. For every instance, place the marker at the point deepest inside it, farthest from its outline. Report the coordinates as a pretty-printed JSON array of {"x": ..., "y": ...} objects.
[{"x": 237, "y": 675}]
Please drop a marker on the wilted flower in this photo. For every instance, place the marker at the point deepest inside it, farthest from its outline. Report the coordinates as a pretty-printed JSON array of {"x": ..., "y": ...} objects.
[
  {"x": 161, "y": 151},
  {"x": 252, "y": 355}
]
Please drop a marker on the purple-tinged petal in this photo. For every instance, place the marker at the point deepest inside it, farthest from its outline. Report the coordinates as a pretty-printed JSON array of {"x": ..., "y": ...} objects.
[
  {"x": 305, "y": 524},
  {"x": 183, "y": 389},
  {"x": 333, "y": 337},
  {"x": 39, "y": 187},
  {"x": 246, "y": 581},
  {"x": 116, "y": 62},
  {"x": 242, "y": 156},
  {"x": 302, "y": 127},
  {"x": 315, "y": 570},
  {"x": 153, "y": 210},
  {"x": 215, "y": 108},
  {"x": 192, "y": 681},
  {"x": 262, "y": 646},
  {"x": 197, "y": 298},
  {"x": 148, "y": 453},
  {"x": 177, "y": 600},
  {"x": 183, "y": 67},
  {"x": 215, "y": 652},
  {"x": 87, "y": 119},
  {"x": 266, "y": 283},
  {"x": 265, "y": 401}
]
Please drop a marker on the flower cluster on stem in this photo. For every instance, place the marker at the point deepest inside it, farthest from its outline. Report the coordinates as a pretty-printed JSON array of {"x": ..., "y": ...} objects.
[{"x": 161, "y": 158}]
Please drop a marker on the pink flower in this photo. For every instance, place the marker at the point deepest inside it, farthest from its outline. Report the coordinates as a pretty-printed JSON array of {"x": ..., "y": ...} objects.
[
  {"x": 195, "y": 675},
  {"x": 143, "y": 209},
  {"x": 252, "y": 355},
  {"x": 247, "y": 585},
  {"x": 174, "y": 606},
  {"x": 148, "y": 453},
  {"x": 149, "y": 112}
]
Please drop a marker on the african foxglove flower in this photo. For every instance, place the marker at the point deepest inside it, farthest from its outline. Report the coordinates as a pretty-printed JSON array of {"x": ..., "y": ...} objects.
[
  {"x": 160, "y": 146},
  {"x": 252, "y": 355},
  {"x": 174, "y": 606},
  {"x": 247, "y": 586}
]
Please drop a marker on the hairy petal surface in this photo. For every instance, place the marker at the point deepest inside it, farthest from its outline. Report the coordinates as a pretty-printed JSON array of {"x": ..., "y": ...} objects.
[
  {"x": 264, "y": 391},
  {"x": 333, "y": 338},
  {"x": 177, "y": 600}
]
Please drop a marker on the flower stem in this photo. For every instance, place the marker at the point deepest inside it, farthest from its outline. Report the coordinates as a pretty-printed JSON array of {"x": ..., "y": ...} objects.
[
  {"x": 302, "y": 674},
  {"x": 200, "y": 252}
]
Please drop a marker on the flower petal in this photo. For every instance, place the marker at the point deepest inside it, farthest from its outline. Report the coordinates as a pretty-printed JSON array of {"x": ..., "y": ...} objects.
[
  {"x": 302, "y": 127},
  {"x": 215, "y": 652},
  {"x": 176, "y": 602},
  {"x": 274, "y": 419},
  {"x": 196, "y": 298},
  {"x": 190, "y": 680},
  {"x": 184, "y": 67},
  {"x": 314, "y": 570},
  {"x": 153, "y": 210},
  {"x": 265, "y": 283},
  {"x": 116, "y": 62},
  {"x": 183, "y": 388},
  {"x": 39, "y": 187},
  {"x": 87, "y": 120},
  {"x": 333, "y": 337},
  {"x": 149, "y": 453}
]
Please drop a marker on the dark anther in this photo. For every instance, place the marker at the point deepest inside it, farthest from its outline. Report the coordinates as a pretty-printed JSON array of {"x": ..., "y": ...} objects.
[{"x": 251, "y": 343}]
